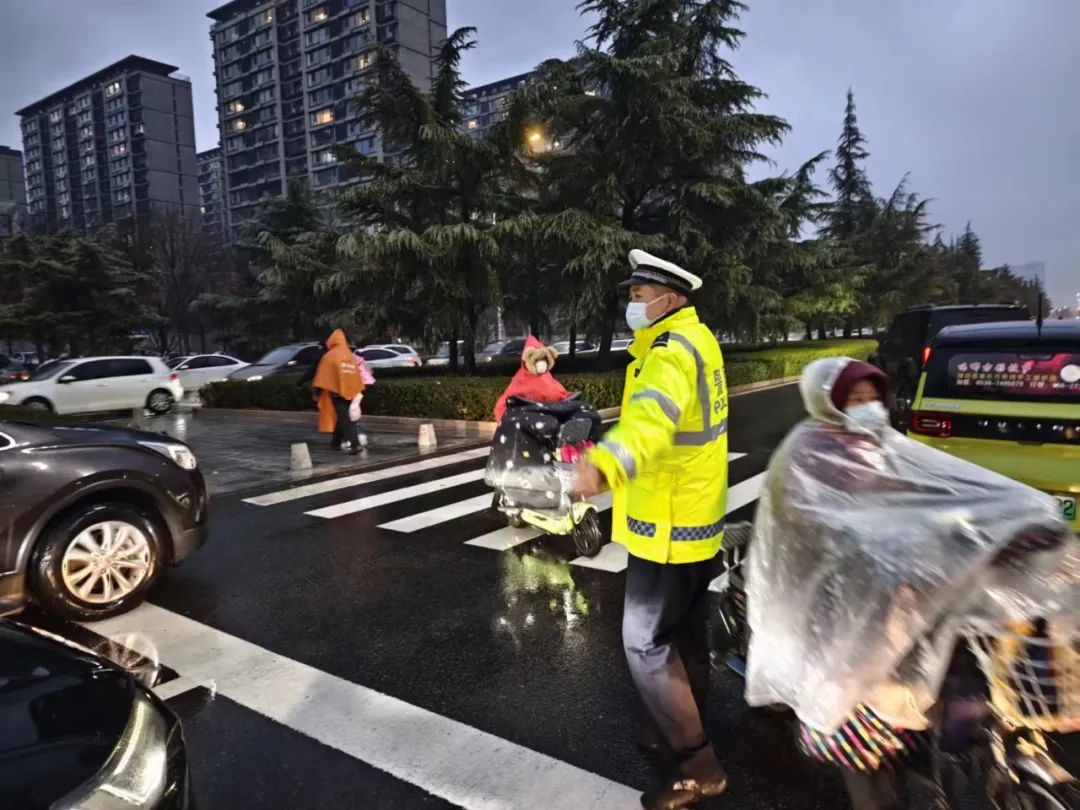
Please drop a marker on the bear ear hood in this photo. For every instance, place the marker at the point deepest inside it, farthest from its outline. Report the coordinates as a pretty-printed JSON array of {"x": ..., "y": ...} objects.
[{"x": 531, "y": 357}]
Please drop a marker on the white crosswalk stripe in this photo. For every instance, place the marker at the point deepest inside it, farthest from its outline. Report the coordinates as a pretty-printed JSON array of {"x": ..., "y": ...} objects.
[{"x": 612, "y": 557}]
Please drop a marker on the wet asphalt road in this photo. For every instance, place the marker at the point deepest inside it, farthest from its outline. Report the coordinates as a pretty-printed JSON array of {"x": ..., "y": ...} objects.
[{"x": 520, "y": 644}]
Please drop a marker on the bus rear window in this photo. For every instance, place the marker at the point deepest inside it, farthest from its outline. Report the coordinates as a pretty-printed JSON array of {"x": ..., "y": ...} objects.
[{"x": 1027, "y": 375}]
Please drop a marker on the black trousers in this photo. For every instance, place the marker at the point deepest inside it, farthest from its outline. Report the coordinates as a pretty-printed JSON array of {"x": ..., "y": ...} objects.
[
  {"x": 344, "y": 428},
  {"x": 665, "y": 637}
]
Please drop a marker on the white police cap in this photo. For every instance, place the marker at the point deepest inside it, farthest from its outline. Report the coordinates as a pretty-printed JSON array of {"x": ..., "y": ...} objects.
[{"x": 649, "y": 269}]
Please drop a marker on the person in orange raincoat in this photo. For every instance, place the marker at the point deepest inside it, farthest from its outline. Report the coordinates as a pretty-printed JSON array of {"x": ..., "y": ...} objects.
[
  {"x": 337, "y": 383},
  {"x": 534, "y": 379}
]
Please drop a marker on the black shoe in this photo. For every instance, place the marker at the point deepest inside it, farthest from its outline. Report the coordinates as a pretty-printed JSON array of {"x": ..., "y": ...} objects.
[
  {"x": 354, "y": 451},
  {"x": 685, "y": 792}
]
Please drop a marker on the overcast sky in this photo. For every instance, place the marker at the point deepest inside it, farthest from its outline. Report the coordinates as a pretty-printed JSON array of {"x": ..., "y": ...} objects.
[{"x": 977, "y": 99}]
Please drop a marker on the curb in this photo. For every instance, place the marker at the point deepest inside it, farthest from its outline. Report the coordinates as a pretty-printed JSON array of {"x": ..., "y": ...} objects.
[{"x": 458, "y": 428}]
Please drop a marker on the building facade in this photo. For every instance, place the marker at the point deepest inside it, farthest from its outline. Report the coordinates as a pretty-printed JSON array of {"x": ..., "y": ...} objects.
[
  {"x": 485, "y": 104},
  {"x": 110, "y": 148},
  {"x": 286, "y": 73},
  {"x": 212, "y": 194},
  {"x": 12, "y": 192}
]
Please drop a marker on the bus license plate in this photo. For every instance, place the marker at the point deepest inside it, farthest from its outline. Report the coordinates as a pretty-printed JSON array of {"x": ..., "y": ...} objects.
[{"x": 1068, "y": 507}]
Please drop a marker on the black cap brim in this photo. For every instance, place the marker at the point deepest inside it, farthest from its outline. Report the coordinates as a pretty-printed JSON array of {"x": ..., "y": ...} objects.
[{"x": 651, "y": 275}]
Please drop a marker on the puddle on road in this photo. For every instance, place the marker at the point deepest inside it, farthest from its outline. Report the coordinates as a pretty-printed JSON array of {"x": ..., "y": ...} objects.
[{"x": 538, "y": 593}]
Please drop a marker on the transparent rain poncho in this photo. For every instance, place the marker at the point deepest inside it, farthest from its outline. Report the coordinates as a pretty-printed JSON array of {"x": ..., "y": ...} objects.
[{"x": 872, "y": 551}]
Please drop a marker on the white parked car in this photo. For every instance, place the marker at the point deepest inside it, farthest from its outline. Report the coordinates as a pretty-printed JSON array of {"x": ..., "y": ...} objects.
[
  {"x": 384, "y": 357},
  {"x": 563, "y": 348},
  {"x": 398, "y": 348},
  {"x": 97, "y": 385},
  {"x": 203, "y": 369},
  {"x": 442, "y": 354},
  {"x": 621, "y": 344}
]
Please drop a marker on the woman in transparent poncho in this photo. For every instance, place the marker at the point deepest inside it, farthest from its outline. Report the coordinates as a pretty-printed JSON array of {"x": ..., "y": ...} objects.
[{"x": 869, "y": 550}]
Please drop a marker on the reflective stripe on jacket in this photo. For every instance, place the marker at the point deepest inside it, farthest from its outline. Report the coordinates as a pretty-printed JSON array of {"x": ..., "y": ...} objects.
[{"x": 666, "y": 460}]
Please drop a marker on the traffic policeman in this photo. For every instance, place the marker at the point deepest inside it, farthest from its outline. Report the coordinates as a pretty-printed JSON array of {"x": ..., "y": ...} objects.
[{"x": 666, "y": 462}]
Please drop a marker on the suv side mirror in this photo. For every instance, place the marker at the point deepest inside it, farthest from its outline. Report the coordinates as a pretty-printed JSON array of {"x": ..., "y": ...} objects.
[
  {"x": 67, "y": 378},
  {"x": 291, "y": 363}
]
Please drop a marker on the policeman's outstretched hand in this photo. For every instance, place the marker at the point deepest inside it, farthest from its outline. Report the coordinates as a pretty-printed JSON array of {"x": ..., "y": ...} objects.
[{"x": 588, "y": 481}]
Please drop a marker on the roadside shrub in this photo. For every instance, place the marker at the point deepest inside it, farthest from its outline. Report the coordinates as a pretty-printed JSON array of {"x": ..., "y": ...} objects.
[{"x": 473, "y": 398}]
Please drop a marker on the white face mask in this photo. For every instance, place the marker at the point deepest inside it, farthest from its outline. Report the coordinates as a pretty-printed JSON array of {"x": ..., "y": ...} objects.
[
  {"x": 542, "y": 367},
  {"x": 870, "y": 416},
  {"x": 637, "y": 317}
]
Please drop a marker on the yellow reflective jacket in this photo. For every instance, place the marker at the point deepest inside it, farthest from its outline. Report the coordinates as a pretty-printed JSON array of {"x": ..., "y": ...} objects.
[{"x": 666, "y": 460}]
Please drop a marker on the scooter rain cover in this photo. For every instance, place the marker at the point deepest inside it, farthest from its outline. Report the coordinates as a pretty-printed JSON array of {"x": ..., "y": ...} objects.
[
  {"x": 871, "y": 552},
  {"x": 522, "y": 463}
]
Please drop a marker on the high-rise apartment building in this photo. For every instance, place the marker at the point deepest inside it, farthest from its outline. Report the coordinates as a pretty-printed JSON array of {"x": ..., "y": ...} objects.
[
  {"x": 212, "y": 194},
  {"x": 12, "y": 192},
  {"x": 287, "y": 71},
  {"x": 485, "y": 104},
  {"x": 110, "y": 148}
]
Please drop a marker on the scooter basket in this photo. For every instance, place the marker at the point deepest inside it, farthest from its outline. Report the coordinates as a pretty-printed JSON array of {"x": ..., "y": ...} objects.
[{"x": 1033, "y": 673}]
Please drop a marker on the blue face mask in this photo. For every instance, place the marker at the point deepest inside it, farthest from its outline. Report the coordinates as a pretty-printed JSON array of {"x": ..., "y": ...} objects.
[{"x": 637, "y": 317}]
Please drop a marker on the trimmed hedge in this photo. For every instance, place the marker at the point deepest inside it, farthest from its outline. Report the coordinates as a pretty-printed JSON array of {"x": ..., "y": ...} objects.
[{"x": 473, "y": 398}]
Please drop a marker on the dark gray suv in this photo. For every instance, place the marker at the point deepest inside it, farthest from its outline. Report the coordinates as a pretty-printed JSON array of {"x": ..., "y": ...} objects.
[{"x": 91, "y": 515}]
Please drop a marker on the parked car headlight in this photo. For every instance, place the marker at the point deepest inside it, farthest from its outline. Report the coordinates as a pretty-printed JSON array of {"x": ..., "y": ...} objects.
[
  {"x": 136, "y": 773},
  {"x": 4, "y": 396},
  {"x": 180, "y": 454},
  {"x": 254, "y": 378}
]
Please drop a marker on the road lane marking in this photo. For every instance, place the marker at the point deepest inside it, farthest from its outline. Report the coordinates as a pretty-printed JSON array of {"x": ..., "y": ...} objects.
[
  {"x": 458, "y": 763},
  {"x": 175, "y": 687},
  {"x": 613, "y": 557},
  {"x": 441, "y": 514},
  {"x": 745, "y": 493},
  {"x": 393, "y": 496},
  {"x": 335, "y": 484},
  {"x": 505, "y": 539}
]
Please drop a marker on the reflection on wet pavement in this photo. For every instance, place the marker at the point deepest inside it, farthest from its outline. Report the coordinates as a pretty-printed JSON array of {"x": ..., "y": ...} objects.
[{"x": 538, "y": 588}]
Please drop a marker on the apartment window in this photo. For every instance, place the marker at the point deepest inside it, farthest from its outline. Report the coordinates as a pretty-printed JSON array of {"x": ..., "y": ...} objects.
[
  {"x": 473, "y": 124},
  {"x": 61, "y": 171},
  {"x": 323, "y": 96},
  {"x": 364, "y": 61},
  {"x": 317, "y": 37},
  {"x": 360, "y": 18},
  {"x": 116, "y": 120},
  {"x": 121, "y": 165},
  {"x": 317, "y": 77},
  {"x": 322, "y": 117},
  {"x": 138, "y": 129},
  {"x": 264, "y": 57},
  {"x": 82, "y": 103},
  {"x": 87, "y": 147},
  {"x": 89, "y": 160},
  {"x": 230, "y": 71},
  {"x": 56, "y": 116},
  {"x": 33, "y": 166},
  {"x": 64, "y": 199},
  {"x": 324, "y": 157},
  {"x": 317, "y": 15},
  {"x": 31, "y": 140},
  {"x": 121, "y": 180},
  {"x": 358, "y": 41},
  {"x": 84, "y": 118},
  {"x": 33, "y": 153},
  {"x": 317, "y": 57},
  {"x": 119, "y": 149},
  {"x": 267, "y": 114},
  {"x": 264, "y": 76},
  {"x": 122, "y": 195},
  {"x": 239, "y": 125},
  {"x": 89, "y": 176},
  {"x": 58, "y": 145},
  {"x": 234, "y": 144},
  {"x": 65, "y": 212},
  {"x": 324, "y": 178},
  {"x": 232, "y": 89},
  {"x": 86, "y": 132},
  {"x": 117, "y": 135},
  {"x": 112, "y": 89},
  {"x": 235, "y": 106},
  {"x": 365, "y": 146},
  {"x": 355, "y": 86},
  {"x": 267, "y": 17},
  {"x": 265, "y": 96},
  {"x": 61, "y": 185},
  {"x": 260, "y": 39}
]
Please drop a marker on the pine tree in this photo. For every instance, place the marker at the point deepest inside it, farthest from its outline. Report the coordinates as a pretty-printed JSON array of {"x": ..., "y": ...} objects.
[{"x": 848, "y": 178}]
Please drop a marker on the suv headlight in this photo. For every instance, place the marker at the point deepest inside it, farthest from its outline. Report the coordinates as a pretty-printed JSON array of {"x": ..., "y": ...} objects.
[
  {"x": 4, "y": 396},
  {"x": 179, "y": 454},
  {"x": 137, "y": 772}
]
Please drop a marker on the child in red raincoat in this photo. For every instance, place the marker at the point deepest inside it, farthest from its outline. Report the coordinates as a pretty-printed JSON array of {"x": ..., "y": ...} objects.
[{"x": 533, "y": 380}]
